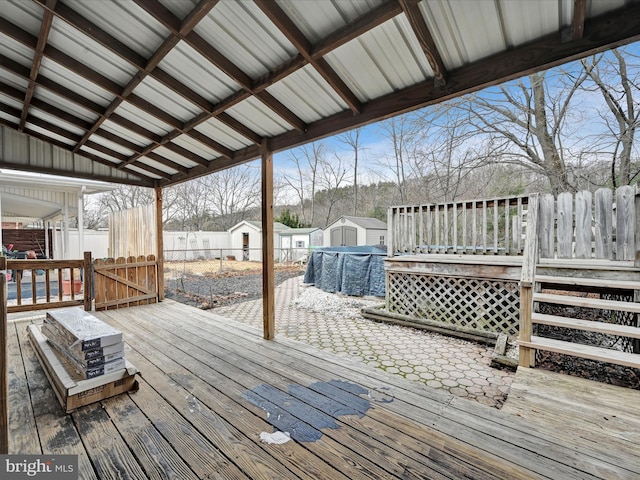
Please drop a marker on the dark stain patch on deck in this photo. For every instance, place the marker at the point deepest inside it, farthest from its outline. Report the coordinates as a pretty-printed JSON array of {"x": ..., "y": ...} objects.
[{"x": 304, "y": 411}]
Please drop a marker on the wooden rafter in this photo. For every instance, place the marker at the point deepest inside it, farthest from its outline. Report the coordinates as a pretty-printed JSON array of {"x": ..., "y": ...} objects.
[
  {"x": 603, "y": 32},
  {"x": 45, "y": 28},
  {"x": 280, "y": 19},
  {"x": 163, "y": 15},
  {"x": 422, "y": 33},
  {"x": 146, "y": 67},
  {"x": 73, "y": 120}
]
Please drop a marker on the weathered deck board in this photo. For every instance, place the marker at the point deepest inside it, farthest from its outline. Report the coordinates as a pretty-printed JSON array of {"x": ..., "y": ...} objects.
[
  {"x": 471, "y": 424},
  {"x": 23, "y": 433},
  {"x": 199, "y": 413},
  {"x": 387, "y": 432},
  {"x": 217, "y": 388},
  {"x": 57, "y": 432},
  {"x": 596, "y": 413}
]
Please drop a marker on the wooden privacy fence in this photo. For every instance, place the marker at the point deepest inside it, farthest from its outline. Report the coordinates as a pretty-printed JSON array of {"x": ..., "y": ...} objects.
[
  {"x": 586, "y": 225},
  {"x": 125, "y": 282}
]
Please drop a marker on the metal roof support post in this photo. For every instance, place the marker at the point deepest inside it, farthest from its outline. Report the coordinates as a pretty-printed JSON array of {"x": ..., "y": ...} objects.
[
  {"x": 80, "y": 195},
  {"x": 268, "y": 288},
  {"x": 65, "y": 228}
]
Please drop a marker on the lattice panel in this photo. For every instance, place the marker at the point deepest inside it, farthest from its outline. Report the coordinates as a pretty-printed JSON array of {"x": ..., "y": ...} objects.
[{"x": 489, "y": 305}]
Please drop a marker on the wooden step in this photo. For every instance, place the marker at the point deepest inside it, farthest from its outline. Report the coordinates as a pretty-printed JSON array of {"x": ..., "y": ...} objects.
[
  {"x": 586, "y": 325},
  {"x": 584, "y": 351},
  {"x": 587, "y": 302},
  {"x": 589, "y": 282}
]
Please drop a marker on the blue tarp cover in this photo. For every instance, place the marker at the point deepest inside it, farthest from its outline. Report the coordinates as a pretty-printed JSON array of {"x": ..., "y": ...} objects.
[{"x": 350, "y": 270}]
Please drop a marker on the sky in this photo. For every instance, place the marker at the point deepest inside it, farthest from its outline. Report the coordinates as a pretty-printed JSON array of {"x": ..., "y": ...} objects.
[{"x": 375, "y": 145}]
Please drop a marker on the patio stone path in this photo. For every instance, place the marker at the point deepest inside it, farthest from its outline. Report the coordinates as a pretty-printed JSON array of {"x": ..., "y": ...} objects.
[{"x": 457, "y": 366}]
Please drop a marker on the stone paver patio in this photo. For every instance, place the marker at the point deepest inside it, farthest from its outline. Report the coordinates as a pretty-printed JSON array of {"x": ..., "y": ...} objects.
[{"x": 457, "y": 366}]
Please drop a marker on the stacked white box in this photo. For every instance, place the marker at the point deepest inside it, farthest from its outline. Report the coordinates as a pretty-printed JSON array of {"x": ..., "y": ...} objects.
[{"x": 90, "y": 347}]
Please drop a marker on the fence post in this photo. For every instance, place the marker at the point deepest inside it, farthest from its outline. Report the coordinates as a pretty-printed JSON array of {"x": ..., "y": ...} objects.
[
  {"x": 88, "y": 281},
  {"x": 4, "y": 367},
  {"x": 527, "y": 282},
  {"x": 390, "y": 242}
]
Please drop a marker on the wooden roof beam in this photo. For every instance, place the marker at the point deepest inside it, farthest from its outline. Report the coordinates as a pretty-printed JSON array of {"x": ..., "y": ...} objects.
[
  {"x": 421, "y": 31},
  {"x": 45, "y": 28},
  {"x": 280, "y": 19},
  {"x": 169, "y": 21},
  {"x": 145, "y": 67}
]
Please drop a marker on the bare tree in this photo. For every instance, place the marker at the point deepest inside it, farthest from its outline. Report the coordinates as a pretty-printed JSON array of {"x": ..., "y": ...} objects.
[
  {"x": 126, "y": 196},
  {"x": 191, "y": 206},
  {"x": 331, "y": 177},
  {"x": 353, "y": 140},
  {"x": 524, "y": 123},
  {"x": 234, "y": 192},
  {"x": 613, "y": 79},
  {"x": 303, "y": 182},
  {"x": 402, "y": 134}
]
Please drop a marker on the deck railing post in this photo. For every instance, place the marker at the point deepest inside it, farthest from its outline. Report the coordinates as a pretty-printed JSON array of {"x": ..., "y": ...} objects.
[
  {"x": 637, "y": 227},
  {"x": 4, "y": 367},
  {"x": 527, "y": 282},
  {"x": 390, "y": 231},
  {"x": 88, "y": 281}
]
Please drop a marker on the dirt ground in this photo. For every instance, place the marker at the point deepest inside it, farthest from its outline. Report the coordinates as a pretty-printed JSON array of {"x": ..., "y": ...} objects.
[
  {"x": 218, "y": 267},
  {"x": 200, "y": 285}
]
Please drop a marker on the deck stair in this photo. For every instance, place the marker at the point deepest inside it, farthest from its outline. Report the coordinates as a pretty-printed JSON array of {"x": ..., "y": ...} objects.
[{"x": 585, "y": 285}]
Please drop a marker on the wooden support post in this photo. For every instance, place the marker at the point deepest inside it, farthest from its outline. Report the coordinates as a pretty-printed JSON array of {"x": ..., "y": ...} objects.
[
  {"x": 390, "y": 230},
  {"x": 4, "y": 367},
  {"x": 637, "y": 227},
  {"x": 159, "y": 244},
  {"x": 87, "y": 275},
  {"x": 636, "y": 293},
  {"x": 268, "y": 288},
  {"x": 527, "y": 282}
]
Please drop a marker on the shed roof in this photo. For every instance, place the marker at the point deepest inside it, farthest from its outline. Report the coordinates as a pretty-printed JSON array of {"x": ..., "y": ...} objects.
[
  {"x": 364, "y": 222},
  {"x": 299, "y": 231},
  {"x": 154, "y": 92},
  {"x": 256, "y": 224}
]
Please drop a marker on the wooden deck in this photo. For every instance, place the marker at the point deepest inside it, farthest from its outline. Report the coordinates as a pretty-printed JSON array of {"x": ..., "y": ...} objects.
[
  {"x": 208, "y": 382},
  {"x": 594, "y": 413}
]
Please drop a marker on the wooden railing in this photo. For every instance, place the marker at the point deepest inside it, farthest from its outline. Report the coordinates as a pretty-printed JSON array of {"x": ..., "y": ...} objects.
[
  {"x": 581, "y": 226},
  {"x": 56, "y": 276},
  {"x": 466, "y": 227}
]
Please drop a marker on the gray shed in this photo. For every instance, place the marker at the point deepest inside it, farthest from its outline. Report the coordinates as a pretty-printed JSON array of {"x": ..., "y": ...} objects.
[{"x": 351, "y": 231}]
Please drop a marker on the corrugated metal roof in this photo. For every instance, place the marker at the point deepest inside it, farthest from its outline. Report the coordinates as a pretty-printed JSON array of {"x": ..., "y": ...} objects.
[
  {"x": 157, "y": 92},
  {"x": 364, "y": 222}
]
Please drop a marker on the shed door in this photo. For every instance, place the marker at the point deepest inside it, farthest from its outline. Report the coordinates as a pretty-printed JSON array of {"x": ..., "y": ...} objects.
[{"x": 344, "y": 236}]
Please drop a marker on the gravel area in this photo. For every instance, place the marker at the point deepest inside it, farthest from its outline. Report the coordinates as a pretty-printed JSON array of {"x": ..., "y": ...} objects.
[{"x": 333, "y": 304}]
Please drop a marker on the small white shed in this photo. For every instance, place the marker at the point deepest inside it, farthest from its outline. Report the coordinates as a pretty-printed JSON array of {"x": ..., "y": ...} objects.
[
  {"x": 352, "y": 231},
  {"x": 246, "y": 239},
  {"x": 295, "y": 243}
]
